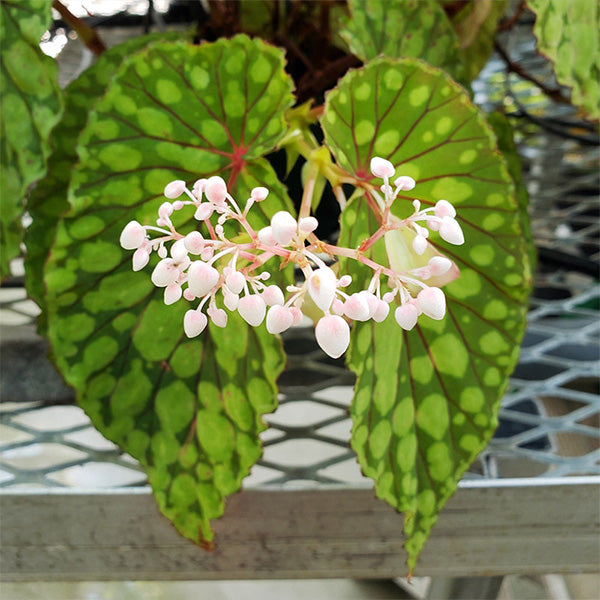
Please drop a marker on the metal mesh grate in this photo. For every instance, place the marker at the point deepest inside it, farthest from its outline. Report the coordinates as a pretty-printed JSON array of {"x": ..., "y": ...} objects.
[{"x": 549, "y": 420}]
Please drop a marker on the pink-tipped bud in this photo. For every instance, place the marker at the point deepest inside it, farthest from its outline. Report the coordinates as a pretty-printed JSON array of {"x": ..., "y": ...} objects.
[
  {"x": 194, "y": 242},
  {"x": 230, "y": 300},
  {"x": 140, "y": 258},
  {"x": 372, "y": 301},
  {"x": 204, "y": 211},
  {"x": 439, "y": 265},
  {"x": 252, "y": 309},
  {"x": 218, "y": 316},
  {"x": 283, "y": 227},
  {"x": 322, "y": 286},
  {"x": 406, "y": 316},
  {"x": 443, "y": 208},
  {"x": 388, "y": 297},
  {"x": 333, "y": 335},
  {"x": 380, "y": 167},
  {"x": 207, "y": 253},
  {"x": 279, "y": 318},
  {"x": 419, "y": 244},
  {"x": 174, "y": 189},
  {"x": 179, "y": 251},
  {"x": 357, "y": 308},
  {"x": 405, "y": 183},
  {"x": 199, "y": 188},
  {"x": 433, "y": 224},
  {"x": 188, "y": 295},
  {"x": 273, "y": 295},
  {"x": 307, "y": 225},
  {"x": 162, "y": 251},
  {"x": 381, "y": 312},
  {"x": 337, "y": 307},
  {"x": 165, "y": 273},
  {"x": 215, "y": 189},
  {"x": 296, "y": 314},
  {"x": 265, "y": 235},
  {"x": 345, "y": 281},
  {"x": 172, "y": 293},
  {"x": 258, "y": 194},
  {"x": 132, "y": 236},
  {"x": 165, "y": 211},
  {"x": 432, "y": 302},
  {"x": 451, "y": 232},
  {"x": 194, "y": 323},
  {"x": 235, "y": 282},
  {"x": 202, "y": 278}
]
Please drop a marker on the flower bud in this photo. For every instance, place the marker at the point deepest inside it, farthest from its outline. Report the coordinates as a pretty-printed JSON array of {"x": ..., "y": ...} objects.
[
  {"x": 173, "y": 292},
  {"x": 204, "y": 211},
  {"x": 202, "y": 278},
  {"x": 283, "y": 227},
  {"x": 165, "y": 211},
  {"x": 380, "y": 167},
  {"x": 419, "y": 244},
  {"x": 258, "y": 194},
  {"x": 356, "y": 308},
  {"x": 230, "y": 299},
  {"x": 194, "y": 323},
  {"x": 218, "y": 316},
  {"x": 307, "y": 225},
  {"x": 279, "y": 318},
  {"x": 179, "y": 251},
  {"x": 405, "y": 183},
  {"x": 199, "y": 188},
  {"x": 194, "y": 242},
  {"x": 382, "y": 311},
  {"x": 443, "y": 208},
  {"x": 322, "y": 287},
  {"x": 174, "y": 189},
  {"x": 432, "y": 302},
  {"x": 215, "y": 189},
  {"x": 273, "y": 295},
  {"x": 439, "y": 265},
  {"x": 297, "y": 314},
  {"x": 333, "y": 335},
  {"x": 165, "y": 273},
  {"x": 132, "y": 236},
  {"x": 252, "y": 309},
  {"x": 140, "y": 258},
  {"x": 235, "y": 282},
  {"x": 406, "y": 316},
  {"x": 451, "y": 232},
  {"x": 265, "y": 235}
]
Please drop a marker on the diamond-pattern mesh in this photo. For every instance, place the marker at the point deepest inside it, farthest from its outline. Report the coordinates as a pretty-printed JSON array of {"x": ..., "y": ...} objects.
[{"x": 549, "y": 420}]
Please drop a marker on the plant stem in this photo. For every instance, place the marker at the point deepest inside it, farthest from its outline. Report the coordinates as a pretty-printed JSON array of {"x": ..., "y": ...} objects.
[{"x": 87, "y": 34}]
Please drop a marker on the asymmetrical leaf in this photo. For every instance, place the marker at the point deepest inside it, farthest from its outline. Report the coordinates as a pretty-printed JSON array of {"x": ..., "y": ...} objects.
[
  {"x": 402, "y": 28},
  {"x": 568, "y": 34},
  {"x": 31, "y": 107},
  {"x": 189, "y": 410},
  {"x": 48, "y": 200},
  {"x": 426, "y": 401}
]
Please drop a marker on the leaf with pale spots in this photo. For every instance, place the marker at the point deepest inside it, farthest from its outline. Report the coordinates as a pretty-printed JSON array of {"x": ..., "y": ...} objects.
[
  {"x": 31, "y": 107},
  {"x": 568, "y": 33},
  {"x": 402, "y": 28},
  {"x": 189, "y": 410},
  {"x": 48, "y": 200},
  {"x": 426, "y": 401}
]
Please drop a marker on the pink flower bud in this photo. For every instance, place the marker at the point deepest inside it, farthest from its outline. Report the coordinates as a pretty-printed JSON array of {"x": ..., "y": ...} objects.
[
  {"x": 162, "y": 251},
  {"x": 215, "y": 189},
  {"x": 204, "y": 211},
  {"x": 322, "y": 287},
  {"x": 140, "y": 258},
  {"x": 371, "y": 300},
  {"x": 283, "y": 227},
  {"x": 235, "y": 282},
  {"x": 188, "y": 294},
  {"x": 439, "y": 265},
  {"x": 345, "y": 281},
  {"x": 230, "y": 300},
  {"x": 380, "y": 167},
  {"x": 382, "y": 311},
  {"x": 165, "y": 273},
  {"x": 202, "y": 278},
  {"x": 443, "y": 208},
  {"x": 307, "y": 225},
  {"x": 252, "y": 309},
  {"x": 405, "y": 183},
  {"x": 356, "y": 308},
  {"x": 172, "y": 293},
  {"x": 132, "y": 236},
  {"x": 179, "y": 251},
  {"x": 406, "y": 316},
  {"x": 207, "y": 253},
  {"x": 199, "y": 188},
  {"x": 296, "y": 314},
  {"x": 194, "y": 242},
  {"x": 273, "y": 295},
  {"x": 279, "y": 318},
  {"x": 258, "y": 194},
  {"x": 333, "y": 335},
  {"x": 265, "y": 235},
  {"x": 451, "y": 232},
  {"x": 174, "y": 189},
  {"x": 218, "y": 316},
  {"x": 432, "y": 302},
  {"x": 419, "y": 244},
  {"x": 194, "y": 323},
  {"x": 388, "y": 297},
  {"x": 433, "y": 224},
  {"x": 165, "y": 211},
  {"x": 337, "y": 306},
  {"x": 178, "y": 205}
]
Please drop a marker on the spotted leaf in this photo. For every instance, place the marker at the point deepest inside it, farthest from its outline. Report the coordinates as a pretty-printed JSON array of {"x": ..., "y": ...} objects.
[
  {"x": 426, "y": 401},
  {"x": 402, "y": 28},
  {"x": 568, "y": 33},
  {"x": 31, "y": 107},
  {"x": 189, "y": 410}
]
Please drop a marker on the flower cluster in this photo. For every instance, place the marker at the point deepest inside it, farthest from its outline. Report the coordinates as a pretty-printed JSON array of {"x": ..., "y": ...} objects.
[{"x": 219, "y": 273}]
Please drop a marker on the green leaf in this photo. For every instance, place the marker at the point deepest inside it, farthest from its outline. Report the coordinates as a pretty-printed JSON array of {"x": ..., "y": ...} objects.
[
  {"x": 476, "y": 26},
  {"x": 48, "y": 200},
  {"x": 31, "y": 107},
  {"x": 426, "y": 401},
  {"x": 189, "y": 410},
  {"x": 402, "y": 28},
  {"x": 568, "y": 34}
]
